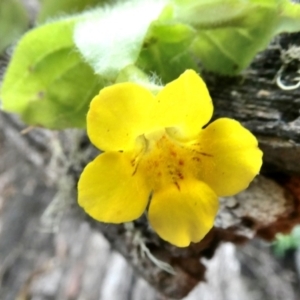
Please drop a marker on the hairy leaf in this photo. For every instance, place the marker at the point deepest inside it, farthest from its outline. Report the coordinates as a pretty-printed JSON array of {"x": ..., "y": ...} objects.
[
  {"x": 228, "y": 47},
  {"x": 54, "y": 8},
  {"x": 113, "y": 37},
  {"x": 47, "y": 82}
]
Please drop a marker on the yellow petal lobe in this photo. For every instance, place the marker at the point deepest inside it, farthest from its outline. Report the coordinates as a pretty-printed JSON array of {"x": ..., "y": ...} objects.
[
  {"x": 109, "y": 189},
  {"x": 185, "y": 105},
  {"x": 184, "y": 212},
  {"x": 118, "y": 115},
  {"x": 229, "y": 157}
]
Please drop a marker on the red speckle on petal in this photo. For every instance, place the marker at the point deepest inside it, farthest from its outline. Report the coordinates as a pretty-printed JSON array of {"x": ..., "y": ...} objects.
[
  {"x": 177, "y": 185},
  {"x": 155, "y": 163},
  {"x": 173, "y": 153}
]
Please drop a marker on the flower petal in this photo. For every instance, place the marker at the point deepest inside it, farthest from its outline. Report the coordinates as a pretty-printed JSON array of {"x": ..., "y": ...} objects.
[
  {"x": 184, "y": 213},
  {"x": 118, "y": 115},
  {"x": 184, "y": 104},
  {"x": 110, "y": 190},
  {"x": 229, "y": 157}
]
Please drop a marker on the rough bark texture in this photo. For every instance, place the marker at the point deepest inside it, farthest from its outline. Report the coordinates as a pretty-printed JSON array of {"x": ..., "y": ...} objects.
[
  {"x": 255, "y": 99},
  {"x": 39, "y": 171}
]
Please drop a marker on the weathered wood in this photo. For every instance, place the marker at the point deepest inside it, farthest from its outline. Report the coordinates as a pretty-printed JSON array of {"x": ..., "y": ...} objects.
[{"x": 256, "y": 100}]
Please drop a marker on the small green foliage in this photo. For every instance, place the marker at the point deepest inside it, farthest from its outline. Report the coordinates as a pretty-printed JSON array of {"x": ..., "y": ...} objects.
[
  {"x": 207, "y": 14},
  {"x": 14, "y": 22},
  {"x": 286, "y": 242},
  {"x": 54, "y": 8},
  {"x": 165, "y": 49},
  {"x": 229, "y": 47},
  {"x": 132, "y": 73},
  {"x": 47, "y": 82}
]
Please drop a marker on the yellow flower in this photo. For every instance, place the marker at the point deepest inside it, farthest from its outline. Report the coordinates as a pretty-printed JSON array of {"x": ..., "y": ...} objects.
[{"x": 158, "y": 155}]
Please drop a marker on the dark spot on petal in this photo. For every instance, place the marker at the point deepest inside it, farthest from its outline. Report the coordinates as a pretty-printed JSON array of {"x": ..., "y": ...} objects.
[
  {"x": 177, "y": 185},
  {"x": 173, "y": 153},
  {"x": 205, "y": 154}
]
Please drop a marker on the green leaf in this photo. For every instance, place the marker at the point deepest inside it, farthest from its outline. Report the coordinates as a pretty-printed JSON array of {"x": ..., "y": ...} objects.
[
  {"x": 112, "y": 38},
  {"x": 290, "y": 17},
  {"x": 54, "y": 8},
  {"x": 14, "y": 21},
  {"x": 223, "y": 35},
  {"x": 230, "y": 50},
  {"x": 210, "y": 13},
  {"x": 132, "y": 74},
  {"x": 165, "y": 51},
  {"x": 286, "y": 242},
  {"x": 229, "y": 47},
  {"x": 47, "y": 82}
]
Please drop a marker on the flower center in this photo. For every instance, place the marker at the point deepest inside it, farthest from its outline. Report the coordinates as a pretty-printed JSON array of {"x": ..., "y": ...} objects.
[{"x": 164, "y": 160}]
